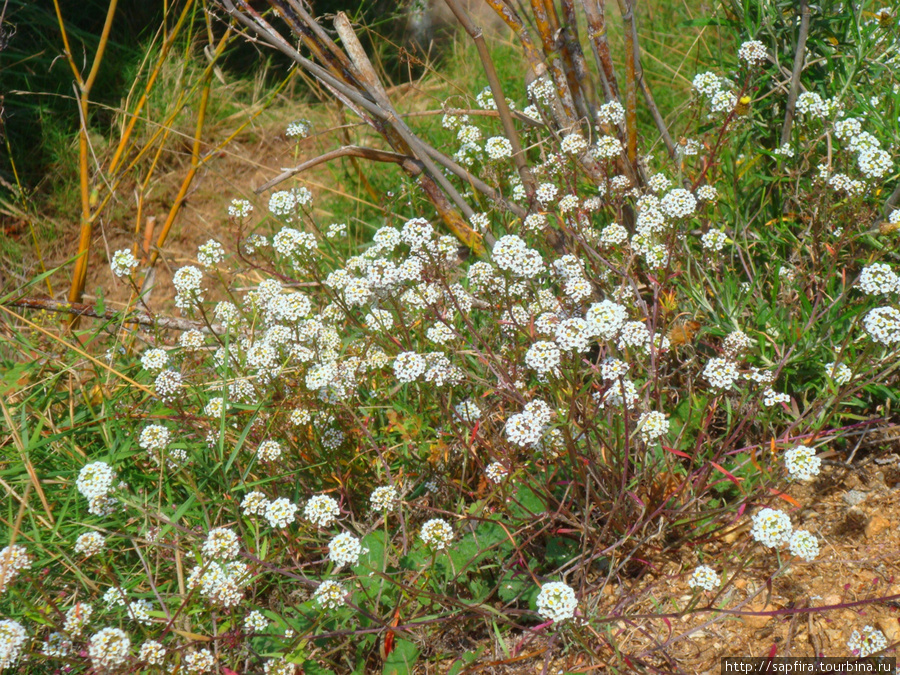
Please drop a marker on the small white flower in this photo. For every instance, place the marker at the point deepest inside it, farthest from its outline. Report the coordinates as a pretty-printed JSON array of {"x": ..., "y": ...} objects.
[
  {"x": 653, "y": 425},
  {"x": 255, "y": 621},
  {"x": 804, "y": 545},
  {"x": 437, "y": 533},
  {"x": 329, "y": 595},
  {"x": 771, "y": 527},
  {"x": 802, "y": 463},
  {"x": 321, "y": 510},
  {"x": 344, "y": 549},
  {"x": 123, "y": 263},
  {"x": 384, "y": 498},
  {"x": 556, "y": 602},
  {"x": 704, "y": 577},
  {"x": 868, "y": 642},
  {"x": 109, "y": 648}
]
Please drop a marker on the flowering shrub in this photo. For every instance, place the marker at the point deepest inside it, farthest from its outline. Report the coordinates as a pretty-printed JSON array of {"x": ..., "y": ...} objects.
[{"x": 435, "y": 419}]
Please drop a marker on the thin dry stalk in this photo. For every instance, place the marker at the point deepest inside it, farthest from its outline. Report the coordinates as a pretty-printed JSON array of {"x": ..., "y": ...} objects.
[
  {"x": 83, "y": 92},
  {"x": 627, "y": 9},
  {"x": 595, "y": 10},
  {"x": 799, "y": 57},
  {"x": 477, "y": 35}
]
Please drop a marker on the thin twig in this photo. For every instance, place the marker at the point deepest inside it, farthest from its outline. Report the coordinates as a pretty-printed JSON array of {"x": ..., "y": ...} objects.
[
  {"x": 142, "y": 318},
  {"x": 799, "y": 57},
  {"x": 477, "y": 35},
  {"x": 411, "y": 164}
]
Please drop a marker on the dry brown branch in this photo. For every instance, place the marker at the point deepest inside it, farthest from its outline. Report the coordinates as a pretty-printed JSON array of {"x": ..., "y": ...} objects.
[
  {"x": 351, "y": 79},
  {"x": 407, "y": 162}
]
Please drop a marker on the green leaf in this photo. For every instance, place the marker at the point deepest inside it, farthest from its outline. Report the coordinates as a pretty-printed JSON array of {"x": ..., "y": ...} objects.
[
  {"x": 311, "y": 667},
  {"x": 402, "y": 659},
  {"x": 465, "y": 660}
]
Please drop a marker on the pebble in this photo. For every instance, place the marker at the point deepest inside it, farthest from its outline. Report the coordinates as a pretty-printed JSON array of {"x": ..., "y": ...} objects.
[
  {"x": 876, "y": 525},
  {"x": 756, "y": 621},
  {"x": 854, "y": 497}
]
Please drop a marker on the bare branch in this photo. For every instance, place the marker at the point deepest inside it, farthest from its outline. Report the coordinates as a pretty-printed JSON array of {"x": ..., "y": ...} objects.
[
  {"x": 799, "y": 57},
  {"x": 409, "y": 163},
  {"x": 142, "y": 318},
  {"x": 509, "y": 128}
]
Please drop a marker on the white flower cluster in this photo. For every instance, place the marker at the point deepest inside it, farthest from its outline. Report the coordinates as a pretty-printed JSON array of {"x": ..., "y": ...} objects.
[
  {"x": 168, "y": 385},
  {"x": 704, "y": 577},
  {"x": 839, "y": 372},
  {"x": 279, "y": 512},
  {"x": 653, "y": 425},
  {"x": 556, "y": 602},
  {"x": 771, "y": 527},
  {"x": 187, "y": 281},
  {"x": 269, "y": 451},
  {"x": 95, "y": 481},
  {"x": 109, "y": 648},
  {"x": 437, "y": 533},
  {"x": 543, "y": 357},
  {"x": 321, "y": 510},
  {"x": 812, "y": 105},
  {"x": 752, "y": 52},
  {"x": 512, "y": 255},
  {"x": 498, "y": 147},
  {"x": 152, "y": 652},
  {"x": 123, "y": 263},
  {"x": 495, "y": 472},
  {"x": 802, "y": 463},
  {"x": 573, "y": 144},
  {"x": 804, "y": 545},
  {"x": 344, "y": 549},
  {"x": 714, "y": 240},
  {"x": 384, "y": 498},
  {"x": 13, "y": 559},
  {"x": 200, "y": 661},
  {"x": 255, "y": 621},
  {"x": 329, "y": 595},
  {"x": 77, "y": 617},
  {"x": 878, "y": 279},
  {"x": 869, "y": 641},
  {"x": 239, "y": 208},
  {"x": 12, "y": 642},
  {"x": 221, "y": 544},
  {"x": 87, "y": 544},
  {"x": 883, "y": 325},
  {"x": 527, "y": 427},
  {"x": 254, "y": 504},
  {"x": 221, "y": 583},
  {"x": 298, "y": 129},
  {"x": 611, "y": 113},
  {"x": 721, "y": 373}
]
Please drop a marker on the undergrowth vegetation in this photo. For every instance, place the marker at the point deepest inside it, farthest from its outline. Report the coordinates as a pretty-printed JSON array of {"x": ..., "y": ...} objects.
[{"x": 568, "y": 343}]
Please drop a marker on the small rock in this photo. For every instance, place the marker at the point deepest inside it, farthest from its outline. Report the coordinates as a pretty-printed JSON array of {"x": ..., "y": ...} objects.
[
  {"x": 890, "y": 627},
  {"x": 835, "y": 635},
  {"x": 740, "y": 583},
  {"x": 831, "y": 600},
  {"x": 876, "y": 525},
  {"x": 854, "y": 497},
  {"x": 756, "y": 621}
]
